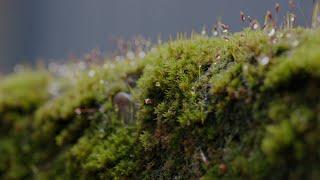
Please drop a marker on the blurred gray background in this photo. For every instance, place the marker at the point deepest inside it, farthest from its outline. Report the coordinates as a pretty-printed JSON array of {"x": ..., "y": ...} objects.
[{"x": 52, "y": 29}]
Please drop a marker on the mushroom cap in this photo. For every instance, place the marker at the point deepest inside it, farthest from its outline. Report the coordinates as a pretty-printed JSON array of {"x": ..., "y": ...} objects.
[{"x": 122, "y": 99}]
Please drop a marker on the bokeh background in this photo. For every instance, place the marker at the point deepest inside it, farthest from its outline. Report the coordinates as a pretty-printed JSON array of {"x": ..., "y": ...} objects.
[{"x": 54, "y": 29}]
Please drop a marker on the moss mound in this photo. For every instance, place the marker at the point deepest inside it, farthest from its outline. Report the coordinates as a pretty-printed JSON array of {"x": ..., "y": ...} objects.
[{"x": 244, "y": 106}]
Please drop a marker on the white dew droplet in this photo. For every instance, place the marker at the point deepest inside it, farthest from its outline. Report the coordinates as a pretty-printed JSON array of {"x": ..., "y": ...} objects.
[
  {"x": 215, "y": 33},
  {"x": 255, "y": 26},
  {"x": 130, "y": 55},
  {"x": 119, "y": 58},
  {"x": 54, "y": 89},
  {"x": 272, "y": 32},
  {"x": 264, "y": 60},
  {"x": 275, "y": 41},
  {"x": 158, "y": 84},
  {"x": 295, "y": 43},
  {"x": 204, "y": 32},
  {"x": 82, "y": 65},
  {"x": 91, "y": 73},
  {"x": 142, "y": 54}
]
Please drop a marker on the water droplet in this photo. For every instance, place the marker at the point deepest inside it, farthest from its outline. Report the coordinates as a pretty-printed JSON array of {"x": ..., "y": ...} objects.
[
  {"x": 264, "y": 60},
  {"x": 158, "y": 84},
  {"x": 272, "y": 32},
  {"x": 295, "y": 43},
  {"x": 142, "y": 54},
  {"x": 292, "y": 19},
  {"x": 274, "y": 40},
  {"x": 54, "y": 89},
  {"x": 82, "y": 65},
  {"x": 203, "y": 32},
  {"x": 130, "y": 55},
  {"x": 215, "y": 33},
  {"x": 92, "y": 73},
  {"x": 119, "y": 58},
  {"x": 255, "y": 26}
]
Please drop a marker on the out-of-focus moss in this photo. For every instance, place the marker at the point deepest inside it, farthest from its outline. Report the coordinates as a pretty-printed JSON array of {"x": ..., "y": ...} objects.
[
  {"x": 20, "y": 95},
  {"x": 245, "y": 106},
  {"x": 23, "y": 92}
]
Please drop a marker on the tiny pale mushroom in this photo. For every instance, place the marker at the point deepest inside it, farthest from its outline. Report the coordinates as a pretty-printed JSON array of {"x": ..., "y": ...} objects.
[{"x": 123, "y": 102}]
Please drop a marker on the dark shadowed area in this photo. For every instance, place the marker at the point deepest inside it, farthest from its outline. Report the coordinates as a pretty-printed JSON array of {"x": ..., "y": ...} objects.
[{"x": 54, "y": 29}]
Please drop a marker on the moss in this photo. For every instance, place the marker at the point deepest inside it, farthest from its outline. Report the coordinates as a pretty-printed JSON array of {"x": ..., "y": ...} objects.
[
  {"x": 23, "y": 90},
  {"x": 20, "y": 95},
  {"x": 241, "y": 107}
]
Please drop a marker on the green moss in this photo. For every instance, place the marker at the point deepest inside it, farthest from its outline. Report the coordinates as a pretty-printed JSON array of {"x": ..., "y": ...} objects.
[
  {"x": 20, "y": 95},
  {"x": 23, "y": 91},
  {"x": 241, "y": 107}
]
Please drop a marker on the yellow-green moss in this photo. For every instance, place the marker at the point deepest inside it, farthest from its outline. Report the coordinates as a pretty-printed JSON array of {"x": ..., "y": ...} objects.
[{"x": 244, "y": 106}]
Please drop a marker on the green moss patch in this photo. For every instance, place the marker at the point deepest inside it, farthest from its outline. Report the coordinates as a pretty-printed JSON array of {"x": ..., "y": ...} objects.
[{"x": 244, "y": 106}]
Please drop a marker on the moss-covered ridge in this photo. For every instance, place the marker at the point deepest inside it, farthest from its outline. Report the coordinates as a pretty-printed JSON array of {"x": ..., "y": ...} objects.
[{"x": 243, "y": 106}]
